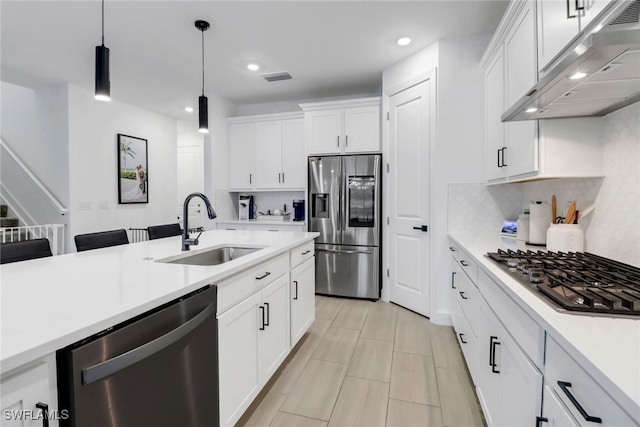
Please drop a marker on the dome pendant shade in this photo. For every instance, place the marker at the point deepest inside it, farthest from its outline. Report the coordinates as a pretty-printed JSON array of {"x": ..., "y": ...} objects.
[
  {"x": 103, "y": 85},
  {"x": 203, "y": 114}
]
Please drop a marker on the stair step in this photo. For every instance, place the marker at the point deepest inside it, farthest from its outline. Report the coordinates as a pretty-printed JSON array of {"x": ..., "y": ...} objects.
[
  {"x": 3, "y": 211},
  {"x": 8, "y": 222}
]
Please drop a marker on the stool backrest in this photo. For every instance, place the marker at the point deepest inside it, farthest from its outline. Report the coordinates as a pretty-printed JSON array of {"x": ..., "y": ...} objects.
[
  {"x": 103, "y": 239},
  {"x": 165, "y": 230},
  {"x": 24, "y": 250}
]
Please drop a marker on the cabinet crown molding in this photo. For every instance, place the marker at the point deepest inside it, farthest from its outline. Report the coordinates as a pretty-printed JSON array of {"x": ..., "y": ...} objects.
[
  {"x": 347, "y": 103},
  {"x": 266, "y": 117}
]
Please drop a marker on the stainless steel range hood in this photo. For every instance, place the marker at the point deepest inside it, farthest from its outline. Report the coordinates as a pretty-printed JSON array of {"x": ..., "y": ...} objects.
[{"x": 608, "y": 53}]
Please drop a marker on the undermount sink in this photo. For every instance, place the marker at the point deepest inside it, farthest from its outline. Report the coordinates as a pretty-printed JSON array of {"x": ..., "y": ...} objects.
[{"x": 213, "y": 256}]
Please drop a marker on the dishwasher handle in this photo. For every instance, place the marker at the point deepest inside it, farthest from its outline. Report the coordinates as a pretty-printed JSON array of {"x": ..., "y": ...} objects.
[
  {"x": 124, "y": 360},
  {"x": 339, "y": 251}
]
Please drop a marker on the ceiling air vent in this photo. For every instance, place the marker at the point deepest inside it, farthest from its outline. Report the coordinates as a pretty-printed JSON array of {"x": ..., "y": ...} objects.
[
  {"x": 631, "y": 15},
  {"x": 274, "y": 77}
]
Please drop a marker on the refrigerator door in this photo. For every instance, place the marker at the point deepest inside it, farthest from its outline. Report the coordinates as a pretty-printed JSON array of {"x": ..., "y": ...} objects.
[
  {"x": 324, "y": 198},
  {"x": 349, "y": 271},
  {"x": 361, "y": 200}
]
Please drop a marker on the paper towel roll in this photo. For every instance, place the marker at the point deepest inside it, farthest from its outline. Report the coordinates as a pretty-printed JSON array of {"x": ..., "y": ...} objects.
[
  {"x": 539, "y": 221},
  {"x": 523, "y": 227}
]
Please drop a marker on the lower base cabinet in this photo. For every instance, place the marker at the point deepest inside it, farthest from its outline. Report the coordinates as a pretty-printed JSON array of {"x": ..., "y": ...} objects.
[
  {"x": 253, "y": 339},
  {"x": 509, "y": 385},
  {"x": 302, "y": 297}
]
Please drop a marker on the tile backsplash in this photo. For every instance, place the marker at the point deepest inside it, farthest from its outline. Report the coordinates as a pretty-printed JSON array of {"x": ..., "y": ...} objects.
[{"x": 612, "y": 230}]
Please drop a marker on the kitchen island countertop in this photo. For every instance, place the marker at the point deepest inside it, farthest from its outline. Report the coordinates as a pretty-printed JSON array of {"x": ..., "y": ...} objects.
[
  {"x": 49, "y": 303},
  {"x": 607, "y": 347}
]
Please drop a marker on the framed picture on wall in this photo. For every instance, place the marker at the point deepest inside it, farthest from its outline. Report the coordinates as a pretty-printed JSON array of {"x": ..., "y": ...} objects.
[{"x": 133, "y": 170}]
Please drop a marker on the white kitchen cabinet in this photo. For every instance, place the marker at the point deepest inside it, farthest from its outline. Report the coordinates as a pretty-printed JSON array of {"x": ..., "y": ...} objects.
[
  {"x": 29, "y": 396},
  {"x": 531, "y": 149},
  {"x": 239, "y": 372},
  {"x": 509, "y": 386},
  {"x": 275, "y": 337},
  {"x": 585, "y": 399},
  {"x": 342, "y": 127},
  {"x": 267, "y": 152},
  {"x": 494, "y": 107},
  {"x": 559, "y": 22},
  {"x": 302, "y": 297},
  {"x": 241, "y": 156},
  {"x": 262, "y": 225},
  {"x": 554, "y": 412}
]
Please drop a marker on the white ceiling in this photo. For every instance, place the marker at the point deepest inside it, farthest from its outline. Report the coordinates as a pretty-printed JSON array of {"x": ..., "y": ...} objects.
[{"x": 330, "y": 48}]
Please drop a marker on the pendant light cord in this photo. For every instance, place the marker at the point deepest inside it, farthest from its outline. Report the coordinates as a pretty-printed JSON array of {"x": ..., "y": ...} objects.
[
  {"x": 202, "y": 31},
  {"x": 102, "y": 22}
]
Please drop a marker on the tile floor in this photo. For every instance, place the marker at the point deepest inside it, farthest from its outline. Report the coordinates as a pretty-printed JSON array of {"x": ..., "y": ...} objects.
[{"x": 369, "y": 364}]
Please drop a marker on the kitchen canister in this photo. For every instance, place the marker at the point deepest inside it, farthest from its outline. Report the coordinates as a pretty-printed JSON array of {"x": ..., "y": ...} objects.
[
  {"x": 539, "y": 221},
  {"x": 565, "y": 238},
  {"x": 523, "y": 227}
]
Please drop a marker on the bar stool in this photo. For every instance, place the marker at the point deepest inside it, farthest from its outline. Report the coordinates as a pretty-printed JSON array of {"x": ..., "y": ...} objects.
[
  {"x": 24, "y": 250},
  {"x": 103, "y": 239},
  {"x": 165, "y": 230}
]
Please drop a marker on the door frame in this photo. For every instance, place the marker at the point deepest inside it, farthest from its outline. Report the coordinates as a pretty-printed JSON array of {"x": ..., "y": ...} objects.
[{"x": 430, "y": 76}]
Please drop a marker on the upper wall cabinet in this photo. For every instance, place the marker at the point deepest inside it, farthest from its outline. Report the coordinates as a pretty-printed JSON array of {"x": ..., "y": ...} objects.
[
  {"x": 522, "y": 150},
  {"x": 343, "y": 127},
  {"x": 559, "y": 22},
  {"x": 266, "y": 152}
]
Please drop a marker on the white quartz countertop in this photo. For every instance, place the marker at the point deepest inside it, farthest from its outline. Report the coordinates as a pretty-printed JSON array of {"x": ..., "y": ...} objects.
[
  {"x": 606, "y": 347},
  {"x": 261, "y": 222},
  {"x": 49, "y": 303}
]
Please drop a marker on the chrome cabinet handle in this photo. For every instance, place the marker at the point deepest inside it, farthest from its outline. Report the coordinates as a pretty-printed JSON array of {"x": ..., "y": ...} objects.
[
  {"x": 45, "y": 413},
  {"x": 565, "y": 388},
  {"x": 268, "y": 273},
  {"x": 118, "y": 363}
]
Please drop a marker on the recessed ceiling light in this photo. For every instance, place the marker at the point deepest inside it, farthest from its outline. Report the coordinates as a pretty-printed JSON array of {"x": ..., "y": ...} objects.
[
  {"x": 403, "y": 41},
  {"x": 578, "y": 75},
  {"x": 531, "y": 110},
  {"x": 253, "y": 67},
  {"x": 188, "y": 109}
]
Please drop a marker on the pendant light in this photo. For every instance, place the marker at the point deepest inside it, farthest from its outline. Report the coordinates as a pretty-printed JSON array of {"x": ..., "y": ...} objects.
[
  {"x": 203, "y": 104},
  {"x": 103, "y": 85}
]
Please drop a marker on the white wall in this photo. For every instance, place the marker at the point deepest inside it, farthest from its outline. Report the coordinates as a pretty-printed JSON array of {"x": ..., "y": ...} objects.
[
  {"x": 93, "y": 163},
  {"x": 34, "y": 126}
]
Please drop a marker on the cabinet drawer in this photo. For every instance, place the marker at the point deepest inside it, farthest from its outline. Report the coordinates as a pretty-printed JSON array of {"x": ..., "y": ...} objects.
[
  {"x": 468, "y": 297},
  {"x": 468, "y": 265},
  {"x": 237, "y": 288},
  {"x": 525, "y": 331},
  {"x": 586, "y": 393},
  {"x": 301, "y": 253},
  {"x": 466, "y": 339},
  {"x": 453, "y": 248}
]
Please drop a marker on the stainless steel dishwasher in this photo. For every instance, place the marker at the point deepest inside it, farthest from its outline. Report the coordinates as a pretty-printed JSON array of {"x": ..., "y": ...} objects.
[{"x": 158, "y": 369}]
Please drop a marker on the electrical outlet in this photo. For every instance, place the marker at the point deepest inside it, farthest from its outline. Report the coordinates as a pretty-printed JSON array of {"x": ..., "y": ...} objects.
[{"x": 86, "y": 206}]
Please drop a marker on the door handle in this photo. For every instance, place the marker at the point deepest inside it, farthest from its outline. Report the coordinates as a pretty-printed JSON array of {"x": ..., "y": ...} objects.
[
  {"x": 118, "y": 363},
  {"x": 565, "y": 388},
  {"x": 423, "y": 228}
]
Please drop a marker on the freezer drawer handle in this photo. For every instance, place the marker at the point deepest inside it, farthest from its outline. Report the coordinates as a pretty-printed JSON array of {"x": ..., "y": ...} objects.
[
  {"x": 565, "y": 388},
  {"x": 118, "y": 363},
  {"x": 45, "y": 413},
  {"x": 268, "y": 273},
  {"x": 423, "y": 228},
  {"x": 336, "y": 251}
]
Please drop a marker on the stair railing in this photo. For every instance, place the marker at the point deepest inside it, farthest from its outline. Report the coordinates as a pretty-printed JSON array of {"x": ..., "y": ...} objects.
[{"x": 53, "y": 232}]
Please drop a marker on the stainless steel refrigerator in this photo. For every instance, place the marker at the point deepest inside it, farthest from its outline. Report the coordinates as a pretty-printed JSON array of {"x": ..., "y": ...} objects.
[{"x": 345, "y": 208}]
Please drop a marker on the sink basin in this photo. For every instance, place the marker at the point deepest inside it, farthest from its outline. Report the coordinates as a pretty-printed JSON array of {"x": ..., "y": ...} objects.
[{"x": 214, "y": 256}]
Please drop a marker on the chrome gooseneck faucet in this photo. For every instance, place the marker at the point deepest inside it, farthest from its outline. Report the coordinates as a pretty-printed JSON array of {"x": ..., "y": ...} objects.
[{"x": 186, "y": 241}]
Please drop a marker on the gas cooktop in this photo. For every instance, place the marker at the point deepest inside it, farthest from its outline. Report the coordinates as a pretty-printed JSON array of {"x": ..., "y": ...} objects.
[{"x": 578, "y": 282}]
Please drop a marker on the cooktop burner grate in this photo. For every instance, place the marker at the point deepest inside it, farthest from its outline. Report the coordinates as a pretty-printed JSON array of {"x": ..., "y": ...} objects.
[{"x": 576, "y": 281}]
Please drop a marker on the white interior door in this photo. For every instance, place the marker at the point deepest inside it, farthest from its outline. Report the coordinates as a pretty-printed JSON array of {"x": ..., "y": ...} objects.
[
  {"x": 190, "y": 179},
  {"x": 411, "y": 121}
]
